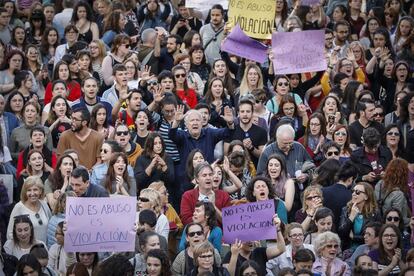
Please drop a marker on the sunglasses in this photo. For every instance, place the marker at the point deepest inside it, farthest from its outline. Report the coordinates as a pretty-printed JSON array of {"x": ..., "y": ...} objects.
[
  {"x": 340, "y": 133},
  {"x": 143, "y": 199},
  {"x": 378, "y": 114},
  {"x": 395, "y": 219},
  {"x": 152, "y": 82},
  {"x": 357, "y": 192},
  {"x": 120, "y": 133},
  {"x": 330, "y": 246},
  {"x": 206, "y": 256},
  {"x": 198, "y": 233},
  {"x": 393, "y": 134},
  {"x": 39, "y": 219},
  {"x": 180, "y": 75},
  {"x": 330, "y": 153},
  {"x": 312, "y": 197},
  {"x": 282, "y": 84}
]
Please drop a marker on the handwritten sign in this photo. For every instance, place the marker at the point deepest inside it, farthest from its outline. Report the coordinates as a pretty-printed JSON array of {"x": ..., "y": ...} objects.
[
  {"x": 205, "y": 5},
  {"x": 298, "y": 52},
  {"x": 256, "y": 18},
  {"x": 100, "y": 224},
  {"x": 309, "y": 2},
  {"x": 239, "y": 44},
  {"x": 249, "y": 222}
]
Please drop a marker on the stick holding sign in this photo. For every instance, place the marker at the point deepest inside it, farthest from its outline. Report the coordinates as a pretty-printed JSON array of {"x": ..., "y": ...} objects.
[
  {"x": 100, "y": 224},
  {"x": 239, "y": 44},
  {"x": 298, "y": 52}
]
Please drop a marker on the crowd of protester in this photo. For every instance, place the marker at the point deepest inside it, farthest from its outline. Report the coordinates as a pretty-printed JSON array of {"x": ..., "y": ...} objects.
[{"x": 135, "y": 98}]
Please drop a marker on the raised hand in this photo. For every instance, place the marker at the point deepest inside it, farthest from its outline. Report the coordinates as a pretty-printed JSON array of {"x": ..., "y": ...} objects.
[
  {"x": 179, "y": 113},
  {"x": 228, "y": 115}
]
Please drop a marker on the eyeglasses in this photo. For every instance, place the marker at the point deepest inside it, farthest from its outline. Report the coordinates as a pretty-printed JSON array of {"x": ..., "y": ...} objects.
[
  {"x": 206, "y": 256},
  {"x": 198, "y": 233},
  {"x": 124, "y": 133},
  {"x": 340, "y": 133},
  {"x": 180, "y": 75},
  {"x": 313, "y": 197},
  {"x": 39, "y": 219},
  {"x": 152, "y": 83},
  {"x": 126, "y": 45},
  {"x": 378, "y": 114},
  {"x": 330, "y": 246},
  {"x": 282, "y": 84},
  {"x": 330, "y": 153},
  {"x": 143, "y": 199},
  {"x": 296, "y": 236},
  {"x": 357, "y": 192},
  {"x": 395, "y": 219},
  {"x": 392, "y": 236},
  {"x": 393, "y": 134}
]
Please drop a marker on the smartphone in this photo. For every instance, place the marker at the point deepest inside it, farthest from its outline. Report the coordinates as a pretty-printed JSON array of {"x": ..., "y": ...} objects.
[{"x": 331, "y": 119}]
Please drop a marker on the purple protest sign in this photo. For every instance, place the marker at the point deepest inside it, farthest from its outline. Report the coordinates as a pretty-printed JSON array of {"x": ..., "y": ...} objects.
[
  {"x": 100, "y": 224},
  {"x": 239, "y": 44},
  {"x": 298, "y": 52},
  {"x": 309, "y": 2},
  {"x": 249, "y": 222}
]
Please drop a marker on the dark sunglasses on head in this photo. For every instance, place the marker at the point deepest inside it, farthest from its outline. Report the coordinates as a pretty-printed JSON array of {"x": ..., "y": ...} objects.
[
  {"x": 39, "y": 219},
  {"x": 395, "y": 219},
  {"x": 120, "y": 133},
  {"x": 143, "y": 199},
  {"x": 198, "y": 233}
]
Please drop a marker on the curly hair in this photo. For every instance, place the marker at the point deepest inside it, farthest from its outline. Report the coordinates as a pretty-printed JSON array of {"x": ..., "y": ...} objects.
[
  {"x": 396, "y": 175},
  {"x": 250, "y": 188}
]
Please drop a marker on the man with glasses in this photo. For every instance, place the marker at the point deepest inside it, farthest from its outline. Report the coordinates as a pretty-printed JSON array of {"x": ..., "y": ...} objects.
[
  {"x": 336, "y": 196},
  {"x": 132, "y": 149},
  {"x": 372, "y": 158},
  {"x": 86, "y": 141},
  {"x": 295, "y": 154}
]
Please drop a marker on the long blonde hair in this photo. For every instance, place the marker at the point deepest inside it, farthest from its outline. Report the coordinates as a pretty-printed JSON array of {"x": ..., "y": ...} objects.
[
  {"x": 370, "y": 205},
  {"x": 244, "y": 86}
]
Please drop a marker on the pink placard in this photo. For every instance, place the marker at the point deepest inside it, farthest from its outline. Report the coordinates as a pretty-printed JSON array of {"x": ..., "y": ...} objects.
[
  {"x": 100, "y": 224},
  {"x": 249, "y": 222},
  {"x": 298, "y": 52}
]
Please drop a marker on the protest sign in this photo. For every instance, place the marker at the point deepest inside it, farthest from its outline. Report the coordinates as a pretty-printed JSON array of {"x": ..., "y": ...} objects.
[
  {"x": 239, "y": 44},
  {"x": 298, "y": 52},
  {"x": 249, "y": 222},
  {"x": 100, "y": 224},
  {"x": 205, "y": 5},
  {"x": 309, "y": 2},
  {"x": 256, "y": 18}
]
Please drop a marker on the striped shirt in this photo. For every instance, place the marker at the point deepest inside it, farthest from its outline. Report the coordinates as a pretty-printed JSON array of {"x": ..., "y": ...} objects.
[{"x": 170, "y": 146}]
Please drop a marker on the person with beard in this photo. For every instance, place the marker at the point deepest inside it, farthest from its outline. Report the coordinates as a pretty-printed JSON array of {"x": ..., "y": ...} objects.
[
  {"x": 87, "y": 142},
  {"x": 254, "y": 137},
  {"x": 365, "y": 119},
  {"x": 341, "y": 32},
  {"x": 212, "y": 34},
  {"x": 133, "y": 105},
  {"x": 170, "y": 52}
]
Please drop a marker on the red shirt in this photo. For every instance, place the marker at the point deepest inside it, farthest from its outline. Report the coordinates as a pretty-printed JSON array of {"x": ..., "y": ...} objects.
[
  {"x": 73, "y": 88},
  {"x": 189, "y": 97}
]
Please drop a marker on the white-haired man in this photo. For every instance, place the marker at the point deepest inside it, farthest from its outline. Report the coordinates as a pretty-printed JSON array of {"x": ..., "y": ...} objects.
[{"x": 295, "y": 154}]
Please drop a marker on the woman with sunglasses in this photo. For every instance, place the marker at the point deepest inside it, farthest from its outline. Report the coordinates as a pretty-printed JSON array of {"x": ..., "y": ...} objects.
[
  {"x": 389, "y": 255},
  {"x": 327, "y": 248},
  {"x": 391, "y": 190},
  {"x": 32, "y": 204},
  {"x": 341, "y": 137},
  {"x": 23, "y": 236},
  {"x": 282, "y": 88},
  {"x": 182, "y": 90},
  {"x": 392, "y": 139},
  {"x": 360, "y": 210},
  {"x": 393, "y": 216},
  {"x": 184, "y": 262},
  {"x": 194, "y": 80},
  {"x": 205, "y": 214},
  {"x": 312, "y": 200}
]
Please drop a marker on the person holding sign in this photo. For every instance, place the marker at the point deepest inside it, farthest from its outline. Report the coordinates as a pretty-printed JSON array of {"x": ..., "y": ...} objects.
[
  {"x": 260, "y": 189},
  {"x": 241, "y": 252}
]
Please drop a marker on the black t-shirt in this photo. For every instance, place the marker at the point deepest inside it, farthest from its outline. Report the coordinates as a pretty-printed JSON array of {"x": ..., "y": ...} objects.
[
  {"x": 356, "y": 130},
  {"x": 257, "y": 134},
  {"x": 258, "y": 255}
]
